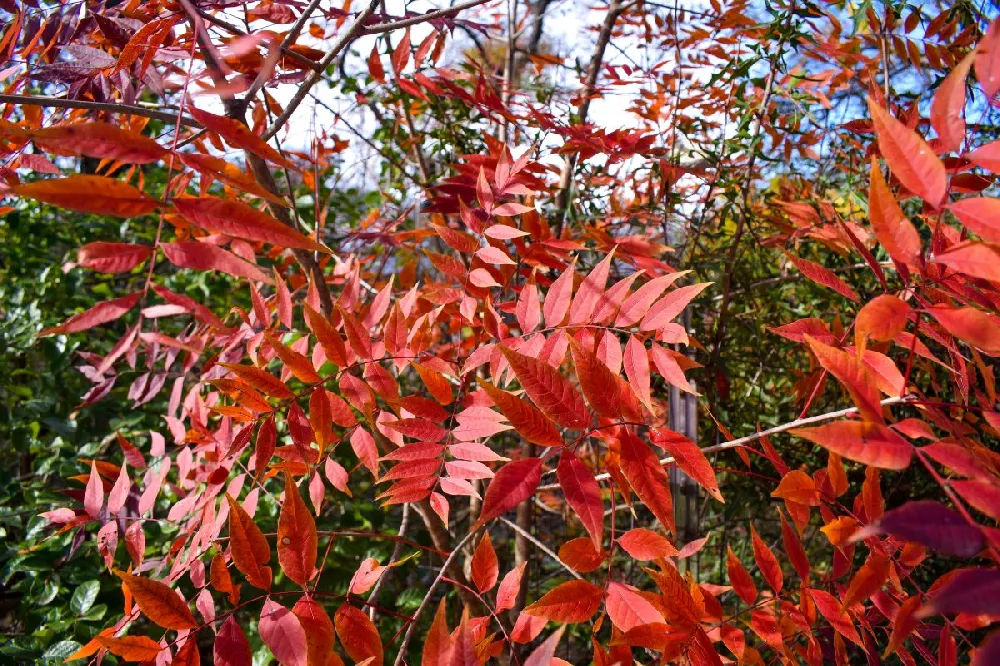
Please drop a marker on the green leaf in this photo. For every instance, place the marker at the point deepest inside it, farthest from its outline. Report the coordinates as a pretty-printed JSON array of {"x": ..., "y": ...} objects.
[
  {"x": 62, "y": 649},
  {"x": 84, "y": 597}
]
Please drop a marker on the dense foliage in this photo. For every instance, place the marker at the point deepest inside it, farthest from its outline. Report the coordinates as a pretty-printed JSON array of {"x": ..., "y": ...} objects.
[{"x": 510, "y": 332}]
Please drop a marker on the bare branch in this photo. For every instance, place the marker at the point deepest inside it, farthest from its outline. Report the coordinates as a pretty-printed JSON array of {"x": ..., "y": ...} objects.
[
  {"x": 422, "y": 18},
  {"x": 110, "y": 107}
]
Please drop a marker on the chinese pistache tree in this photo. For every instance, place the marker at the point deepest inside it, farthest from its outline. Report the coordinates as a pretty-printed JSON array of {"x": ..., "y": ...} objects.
[{"x": 521, "y": 331}]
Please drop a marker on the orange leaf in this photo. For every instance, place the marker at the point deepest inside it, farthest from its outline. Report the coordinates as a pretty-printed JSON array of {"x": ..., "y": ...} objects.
[
  {"x": 580, "y": 555},
  {"x": 644, "y": 545},
  {"x": 570, "y": 602},
  {"x": 131, "y": 648},
  {"x": 528, "y": 420},
  {"x": 548, "y": 389},
  {"x": 910, "y": 158},
  {"x": 869, "y": 579},
  {"x": 296, "y": 536},
  {"x": 159, "y": 602},
  {"x": 89, "y": 194},
  {"x": 249, "y": 547},
  {"x": 485, "y": 567},
  {"x": 891, "y": 227},
  {"x": 864, "y": 442},
  {"x": 437, "y": 644},
  {"x": 236, "y": 219},
  {"x": 299, "y": 365},
  {"x": 358, "y": 635},
  {"x": 628, "y": 608},
  {"x": 319, "y": 631},
  {"x": 101, "y": 140},
  {"x": 101, "y": 313},
  {"x": 327, "y": 336},
  {"x": 510, "y": 587},
  {"x": 238, "y": 135},
  {"x": 798, "y": 487},
  {"x": 261, "y": 380}
]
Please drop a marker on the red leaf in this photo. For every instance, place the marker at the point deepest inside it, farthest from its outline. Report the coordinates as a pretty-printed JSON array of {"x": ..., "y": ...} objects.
[
  {"x": 248, "y": 547},
  {"x": 89, "y": 194},
  {"x": 319, "y": 631},
  {"x": 739, "y": 578},
  {"x": 93, "y": 497},
  {"x": 544, "y": 654},
  {"x": 510, "y": 587},
  {"x": 606, "y": 392},
  {"x": 988, "y": 60},
  {"x": 948, "y": 104},
  {"x": 375, "y": 68},
  {"x": 973, "y": 591},
  {"x": 795, "y": 551},
  {"x": 112, "y": 257},
  {"x": 231, "y": 645},
  {"x": 296, "y": 536},
  {"x": 628, "y": 609},
  {"x": 830, "y": 608},
  {"x": 910, "y": 158},
  {"x": 283, "y": 634},
  {"x": 159, "y": 602},
  {"x": 882, "y": 319},
  {"x": 101, "y": 313},
  {"x": 981, "y": 260},
  {"x": 548, "y": 389},
  {"x": 862, "y": 441},
  {"x": 236, "y": 219},
  {"x": 590, "y": 291},
  {"x": 238, "y": 135},
  {"x": 637, "y": 370},
  {"x": 767, "y": 562},
  {"x": 981, "y": 215},
  {"x": 208, "y": 257},
  {"x": 853, "y": 374},
  {"x": 933, "y": 525},
  {"x": 558, "y": 297},
  {"x": 974, "y": 326},
  {"x": 689, "y": 458},
  {"x": 982, "y": 495},
  {"x": 667, "y": 308},
  {"x": 438, "y": 644},
  {"x": 648, "y": 479},
  {"x": 514, "y": 483},
  {"x": 401, "y": 54},
  {"x": 869, "y": 580},
  {"x": 583, "y": 494},
  {"x": 823, "y": 277},
  {"x": 485, "y": 567},
  {"x": 570, "y": 602},
  {"x": 644, "y": 545},
  {"x": 101, "y": 140},
  {"x": 358, "y": 635},
  {"x": 637, "y": 305}
]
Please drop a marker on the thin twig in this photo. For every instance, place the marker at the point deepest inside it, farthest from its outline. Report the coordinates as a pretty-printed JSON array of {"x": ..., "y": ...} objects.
[
  {"x": 740, "y": 441},
  {"x": 541, "y": 546},
  {"x": 408, "y": 636},
  {"x": 300, "y": 93},
  {"x": 379, "y": 28}
]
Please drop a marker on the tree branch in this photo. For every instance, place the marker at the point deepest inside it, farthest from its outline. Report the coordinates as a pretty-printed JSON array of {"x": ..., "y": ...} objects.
[
  {"x": 109, "y": 107},
  {"x": 422, "y": 18}
]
